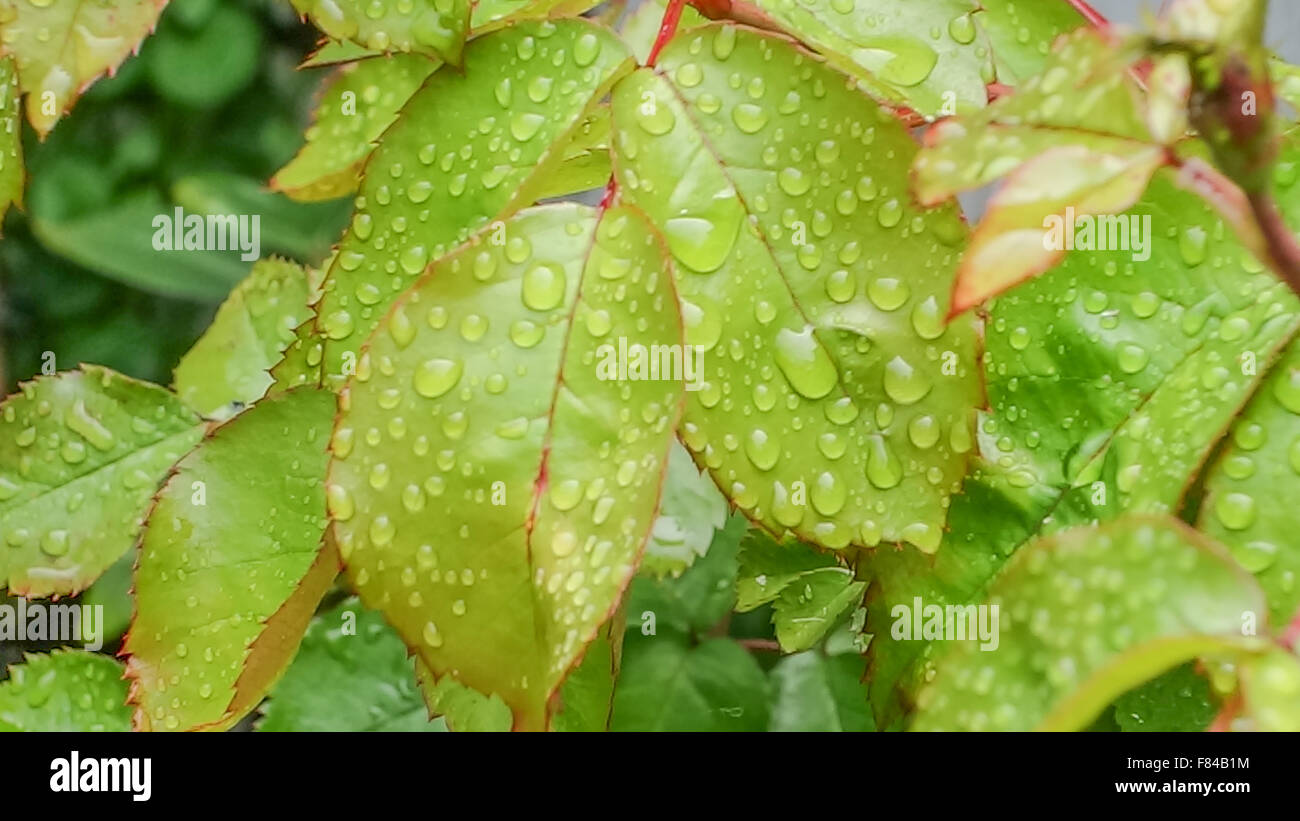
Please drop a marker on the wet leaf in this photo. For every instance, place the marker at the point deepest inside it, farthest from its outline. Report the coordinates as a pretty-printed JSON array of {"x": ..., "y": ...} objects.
[
  {"x": 66, "y": 691},
  {"x": 697, "y": 600},
  {"x": 585, "y": 162},
  {"x": 1076, "y": 137},
  {"x": 587, "y": 698},
  {"x": 61, "y": 48},
  {"x": 434, "y": 27},
  {"x": 464, "y": 710},
  {"x": 1029, "y": 225},
  {"x": 352, "y": 674},
  {"x": 818, "y": 693},
  {"x": 768, "y": 568},
  {"x": 1259, "y": 465},
  {"x": 541, "y": 470},
  {"x": 808, "y": 608},
  {"x": 336, "y": 52},
  {"x": 464, "y": 153},
  {"x": 489, "y": 15},
  {"x": 1286, "y": 83},
  {"x": 360, "y": 102},
  {"x": 928, "y": 55},
  {"x": 667, "y": 684},
  {"x": 1085, "y": 615},
  {"x": 249, "y": 334},
  {"x": 81, "y": 453},
  {"x": 690, "y": 512},
  {"x": 231, "y": 566},
  {"x": 12, "y": 175},
  {"x": 1021, "y": 34},
  {"x": 1178, "y": 701},
  {"x": 1110, "y": 383},
  {"x": 1270, "y": 683},
  {"x": 833, "y": 402}
]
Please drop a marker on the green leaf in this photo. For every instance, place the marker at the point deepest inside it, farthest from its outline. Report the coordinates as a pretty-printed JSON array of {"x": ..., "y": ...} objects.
[
  {"x": 1260, "y": 464},
  {"x": 112, "y": 591},
  {"x": 1286, "y": 82},
  {"x": 1024, "y": 231},
  {"x": 813, "y": 290},
  {"x": 61, "y": 48},
  {"x": 586, "y": 161},
  {"x": 489, "y": 15},
  {"x": 697, "y": 600},
  {"x": 666, "y": 684},
  {"x": 301, "y": 363},
  {"x": 1021, "y": 34},
  {"x": 690, "y": 512},
  {"x": 464, "y": 710},
  {"x": 434, "y": 27},
  {"x": 67, "y": 691},
  {"x": 817, "y": 693},
  {"x": 1084, "y": 616},
  {"x": 540, "y": 475},
  {"x": 249, "y": 334},
  {"x": 352, "y": 674},
  {"x": 809, "y": 590},
  {"x": 12, "y": 175},
  {"x": 464, "y": 153},
  {"x": 1178, "y": 701},
  {"x": 81, "y": 453},
  {"x": 1110, "y": 383},
  {"x": 587, "y": 698},
  {"x": 1075, "y": 136},
  {"x": 928, "y": 55},
  {"x": 767, "y": 568},
  {"x": 118, "y": 242},
  {"x": 334, "y": 52},
  {"x": 231, "y": 566},
  {"x": 1269, "y": 683},
  {"x": 809, "y": 607},
  {"x": 360, "y": 102}
]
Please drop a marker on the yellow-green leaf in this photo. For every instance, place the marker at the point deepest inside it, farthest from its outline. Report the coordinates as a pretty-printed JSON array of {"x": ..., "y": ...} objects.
[
  {"x": 81, "y": 453},
  {"x": 469, "y": 148},
  {"x": 11, "y": 142},
  {"x": 67, "y": 691},
  {"x": 249, "y": 334},
  {"x": 493, "y": 482},
  {"x": 830, "y": 399},
  {"x": 231, "y": 566},
  {"x": 1083, "y": 616},
  {"x": 357, "y": 106},
  {"x": 434, "y": 27},
  {"x": 61, "y": 47}
]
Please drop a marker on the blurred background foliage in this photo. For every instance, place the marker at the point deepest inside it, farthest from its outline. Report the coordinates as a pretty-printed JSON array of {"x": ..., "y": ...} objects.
[{"x": 201, "y": 118}]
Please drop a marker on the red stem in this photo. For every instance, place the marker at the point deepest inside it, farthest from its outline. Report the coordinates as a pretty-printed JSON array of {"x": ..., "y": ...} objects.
[
  {"x": 611, "y": 191},
  {"x": 1094, "y": 17},
  {"x": 667, "y": 29}
]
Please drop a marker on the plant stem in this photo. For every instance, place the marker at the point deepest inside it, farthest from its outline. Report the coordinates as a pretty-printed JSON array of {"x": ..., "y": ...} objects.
[
  {"x": 1283, "y": 251},
  {"x": 1094, "y": 17},
  {"x": 667, "y": 28}
]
